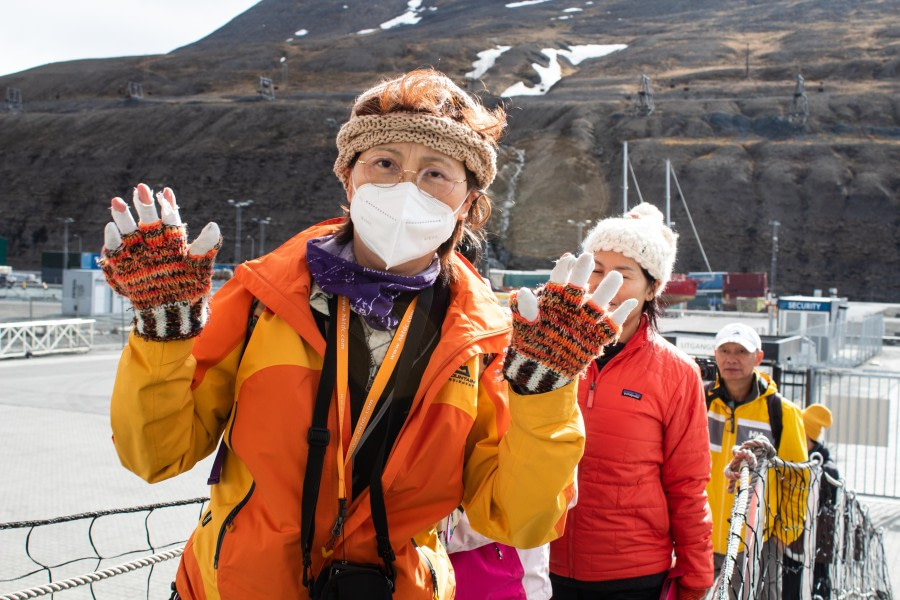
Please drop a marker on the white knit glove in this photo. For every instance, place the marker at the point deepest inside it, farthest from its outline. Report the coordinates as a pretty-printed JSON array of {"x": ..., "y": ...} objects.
[{"x": 559, "y": 331}]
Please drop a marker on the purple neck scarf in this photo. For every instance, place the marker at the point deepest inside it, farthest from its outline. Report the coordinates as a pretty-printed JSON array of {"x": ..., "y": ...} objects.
[{"x": 371, "y": 292}]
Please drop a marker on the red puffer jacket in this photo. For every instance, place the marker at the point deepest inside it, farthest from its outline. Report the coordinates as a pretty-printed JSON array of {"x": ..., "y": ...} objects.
[{"x": 642, "y": 480}]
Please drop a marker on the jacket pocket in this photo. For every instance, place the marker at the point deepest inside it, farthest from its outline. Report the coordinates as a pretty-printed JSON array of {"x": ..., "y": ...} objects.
[{"x": 228, "y": 523}]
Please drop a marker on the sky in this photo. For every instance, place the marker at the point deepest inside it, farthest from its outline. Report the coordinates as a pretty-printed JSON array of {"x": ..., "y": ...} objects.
[{"x": 37, "y": 32}]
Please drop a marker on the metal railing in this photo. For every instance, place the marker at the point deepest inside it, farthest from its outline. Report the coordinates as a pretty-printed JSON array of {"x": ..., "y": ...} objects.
[
  {"x": 865, "y": 436},
  {"x": 53, "y": 336}
]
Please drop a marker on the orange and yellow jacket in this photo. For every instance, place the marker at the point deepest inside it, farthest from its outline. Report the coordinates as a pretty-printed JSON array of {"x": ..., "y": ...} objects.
[{"x": 468, "y": 439}]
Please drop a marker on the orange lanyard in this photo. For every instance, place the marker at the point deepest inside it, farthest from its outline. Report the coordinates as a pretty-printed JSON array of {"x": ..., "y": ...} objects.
[{"x": 342, "y": 393}]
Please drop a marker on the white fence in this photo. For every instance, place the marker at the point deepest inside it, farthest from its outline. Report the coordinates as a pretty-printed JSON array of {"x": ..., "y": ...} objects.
[{"x": 53, "y": 336}]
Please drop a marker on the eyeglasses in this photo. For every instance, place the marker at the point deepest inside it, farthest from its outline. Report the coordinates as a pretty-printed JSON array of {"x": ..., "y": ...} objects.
[{"x": 436, "y": 181}]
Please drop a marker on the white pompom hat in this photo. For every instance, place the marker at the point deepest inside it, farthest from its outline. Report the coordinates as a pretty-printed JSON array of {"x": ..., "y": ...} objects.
[{"x": 640, "y": 234}]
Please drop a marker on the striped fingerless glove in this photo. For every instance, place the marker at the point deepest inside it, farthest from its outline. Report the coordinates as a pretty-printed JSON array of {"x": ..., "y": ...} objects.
[
  {"x": 168, "y": 288},
  {"x": 570, "y": 331}
]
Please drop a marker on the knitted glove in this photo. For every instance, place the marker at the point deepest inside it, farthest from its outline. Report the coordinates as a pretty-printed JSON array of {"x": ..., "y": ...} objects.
[
  {"x": 559, "y": 332},
  {"x": 167, "y": 282}
]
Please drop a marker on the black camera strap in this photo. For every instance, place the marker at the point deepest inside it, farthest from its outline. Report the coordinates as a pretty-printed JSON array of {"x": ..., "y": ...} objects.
[{"x": 318, "y": 438}]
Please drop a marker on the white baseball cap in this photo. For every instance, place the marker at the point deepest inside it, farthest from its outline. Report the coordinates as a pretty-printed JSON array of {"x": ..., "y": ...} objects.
[{"x": 739, "y": 334}]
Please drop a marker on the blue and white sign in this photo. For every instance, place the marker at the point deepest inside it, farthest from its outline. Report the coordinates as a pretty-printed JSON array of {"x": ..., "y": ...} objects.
[{"x": 805, "y": 304}]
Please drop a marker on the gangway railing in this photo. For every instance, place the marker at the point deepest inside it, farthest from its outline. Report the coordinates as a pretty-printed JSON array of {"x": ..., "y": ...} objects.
[{"x": 52, "y": 336}]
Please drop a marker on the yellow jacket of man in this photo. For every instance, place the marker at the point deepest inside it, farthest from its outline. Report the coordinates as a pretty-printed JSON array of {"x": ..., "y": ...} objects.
[{"x": 731, "y": 425}]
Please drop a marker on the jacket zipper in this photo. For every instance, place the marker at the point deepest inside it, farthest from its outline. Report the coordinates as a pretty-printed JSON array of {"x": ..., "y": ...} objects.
[
  {"x": 228, "y": 521},
  {"x": 590, "y": 398},
  {"x": 434, "y": 582}
]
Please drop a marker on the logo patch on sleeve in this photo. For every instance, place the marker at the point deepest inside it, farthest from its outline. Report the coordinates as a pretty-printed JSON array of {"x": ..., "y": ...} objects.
[
  {"x": 463, "y": 376},
  {"x": 632, "y": 394}
]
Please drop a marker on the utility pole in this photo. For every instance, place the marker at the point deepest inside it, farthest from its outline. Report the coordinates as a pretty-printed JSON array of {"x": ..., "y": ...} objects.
[
  {"x": 668, "y": 194},
  {"x": 262, "y": 233},
  {"x": 747, "y": 62},
  {"x": 624, "y": 177},
  {"x": 774, "y": 225},
  {"x": 65, "y": 221},
  {"x": 580, "y": 225},
  {"x": 773, "y": 298},
  {"x": 238, "y": 206}
]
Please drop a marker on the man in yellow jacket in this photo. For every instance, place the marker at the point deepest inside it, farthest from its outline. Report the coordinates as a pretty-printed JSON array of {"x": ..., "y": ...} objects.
[{"x": 741, "y": 404}]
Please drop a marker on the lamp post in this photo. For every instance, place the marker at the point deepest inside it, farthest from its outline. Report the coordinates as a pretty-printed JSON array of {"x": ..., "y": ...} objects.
[
  {"x": 238, "y": 205},
  {"x": 774, "y": 225},
  {"x": 580, "y": 225},
  {"x": 252, "y": 246},
  {"x": 772, "y": 293},
  {"x": 262, "y": 233},
  {"x": 65, "y": 221}
]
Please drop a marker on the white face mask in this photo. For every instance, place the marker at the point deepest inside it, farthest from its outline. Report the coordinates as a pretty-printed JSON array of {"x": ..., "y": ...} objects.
[{"x": 400, "y": 223}]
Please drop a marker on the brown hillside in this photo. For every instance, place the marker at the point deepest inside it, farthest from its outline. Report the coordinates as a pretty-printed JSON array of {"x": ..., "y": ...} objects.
[{"x": 723, "y": 77}]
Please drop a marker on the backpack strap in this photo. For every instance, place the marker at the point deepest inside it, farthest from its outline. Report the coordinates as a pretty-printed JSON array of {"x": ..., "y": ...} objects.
[
  {"x": 711, "y": 393},
  {"x": 776, "y": 417},
  {"x": 773, "y": 404}
]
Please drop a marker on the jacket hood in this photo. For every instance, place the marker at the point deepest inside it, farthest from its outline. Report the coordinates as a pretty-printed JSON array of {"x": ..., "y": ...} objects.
[
  {"x": 762, "y": 384},
  {"x": 282, "y": 282}
]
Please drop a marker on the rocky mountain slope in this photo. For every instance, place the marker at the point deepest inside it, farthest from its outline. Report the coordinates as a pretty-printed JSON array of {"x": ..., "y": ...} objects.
[{"x": 722, "y": 76}]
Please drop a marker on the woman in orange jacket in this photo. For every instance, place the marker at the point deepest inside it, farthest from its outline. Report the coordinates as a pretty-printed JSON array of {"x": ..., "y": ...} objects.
[
  {"x": 362, "y": 378},
  {"x": 642, "y": 480}
]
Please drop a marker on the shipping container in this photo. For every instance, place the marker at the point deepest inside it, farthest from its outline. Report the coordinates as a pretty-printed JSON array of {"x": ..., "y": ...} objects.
[
  {"x": 745, "y": 285},
  {"x": 52, "y": 262},
  {"x": 707, "y": 280}
]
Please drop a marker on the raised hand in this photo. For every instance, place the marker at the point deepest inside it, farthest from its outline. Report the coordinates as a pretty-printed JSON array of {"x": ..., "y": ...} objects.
[
  {"x": 150, "y": 263},
  {"x": 557, "y": 333}
]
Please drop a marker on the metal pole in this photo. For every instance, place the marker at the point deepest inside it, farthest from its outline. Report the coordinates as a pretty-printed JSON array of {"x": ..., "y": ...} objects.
[
  {"x": 580, "y": 225},
  {"x": 624, "y": 177},
  {"x": 773, "y": 298},
  {"x": 262, "y": 233},
  {"x": 668, "y": 193},
  {"x": 774, "y": 224},
  {"x": 65, "y": 222},
  {"x": 252, "y": 246},
  {"x": 747, "y": 63},
  {"x": 238, "y": 206}
]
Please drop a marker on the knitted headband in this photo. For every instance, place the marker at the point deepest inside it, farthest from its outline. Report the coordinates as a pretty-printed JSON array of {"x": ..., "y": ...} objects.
[
  {"x": 444, "y": 135},
  {"x": 641, "y": 235}
]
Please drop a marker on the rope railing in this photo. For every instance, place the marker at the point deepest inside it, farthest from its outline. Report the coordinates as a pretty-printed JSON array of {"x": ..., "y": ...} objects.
[
  {"x": 89, "y": 578},
  {"x": 829, "y": 550},
  {"x": 110, "y": 534}
]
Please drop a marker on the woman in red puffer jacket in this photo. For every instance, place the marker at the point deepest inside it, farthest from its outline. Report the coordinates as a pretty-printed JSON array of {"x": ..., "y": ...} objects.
[{"x": 642, "y": 505}]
